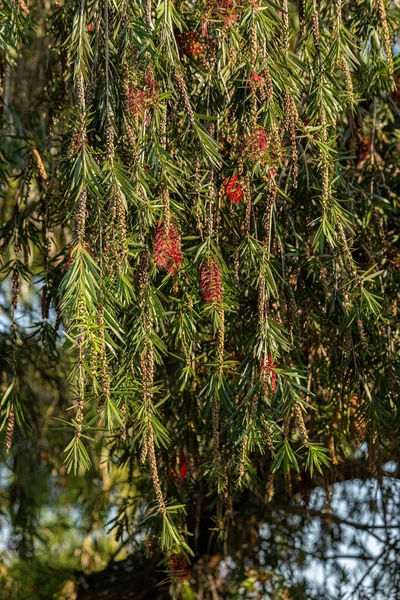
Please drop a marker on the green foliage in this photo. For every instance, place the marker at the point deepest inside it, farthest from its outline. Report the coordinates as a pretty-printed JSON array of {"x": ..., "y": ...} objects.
[{"x": 204, "y": 197}]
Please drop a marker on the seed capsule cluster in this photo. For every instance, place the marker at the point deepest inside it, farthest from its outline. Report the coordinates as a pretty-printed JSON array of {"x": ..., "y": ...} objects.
[
  {"x": 302, "y": 18},
  {"x": 348, "y": 81},
  {"x": 301, "y": 424},
  {"x": 315, "y": 29},
  {"x": 285, "y": 27},
  {"x": 386, "y": 35},
  {"x": 182, "y": 89},
  {"x": 10, "y": 428}
]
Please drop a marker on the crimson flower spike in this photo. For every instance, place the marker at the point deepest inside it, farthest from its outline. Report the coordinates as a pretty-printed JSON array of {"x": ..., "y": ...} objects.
[{"x": 167, "y": 250}]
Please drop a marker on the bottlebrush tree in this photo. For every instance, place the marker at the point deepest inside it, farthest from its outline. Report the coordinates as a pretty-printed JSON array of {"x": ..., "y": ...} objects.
[{"x": 203, "y": 196}]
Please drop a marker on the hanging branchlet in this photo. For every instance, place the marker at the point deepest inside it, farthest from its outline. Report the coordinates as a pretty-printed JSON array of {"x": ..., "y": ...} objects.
[
  {"x": 123, "y": 428},
  {"x": 14, "y": 340},
  {"x": 39, "y": 163},
  {"x": 2, "y": 88},
  {"x": 261, "y": 300},
  {"x": 236, "y": 264},
  {"x": 269, "y": 206},
  {"x": 253, "y": 44},
  {"x": 292, "y": 309},
  {"x": 24, "y": 199},
  {"x": 242, "y": 458},
  {"x": 197, "y": 193},
  {"x": 148, "y": 13},
  {"x": 289, "y": 485},
  {"x": 221, "y": 340},
  {"x": 253, "y": 59},
  {"x": 332, "y": 449},
  {"x": 28, "y": 176},
  {"x": 338, "y": 11},
  {"x": 46, "y": 251},
  {"x": 81, "y": 207},
  {"x": 182, "y": 89},
  {"x": 148, "y": 448},
  {"x": 10, "y": 428},
  {"x": 291, "y": 118},
  {"x": 81, "y": 313},
  {"x": 81, "y": 215},
  {"x": 325, "y": 168},
  {"x": 211, "y": 207},
  {"x": 104, "y": 374},
  {"x": 386, "y": 35},
  {"x": 247, "y": 193},
  {"x": 266, "y": 87},
  {"x": 80, "y": 227},
  {"x": 132, "y": 150},
  {"x": 166, "y": 207},
  {"x": 110, "y": 146},
  {"x": 301, "y": 424},
  {"x": 348, "y": 256},
  {"x": 143, "y": 452},
  {"x": 215, "y": 434},
  {"x": 285, "y": 25},
  {"x": 151, "y": 453},
  {"x": 143, "y": 275},
  {"x": 147, "y": 375},
  {"x": 270, "y": 487},
  {"x": 348, "y": 81},
  {"x": 211, "y": 286},
  {"x": 373, "y": 447},
  {"x": 315, "y": 29},
  {"x": 302, "y": 18}
]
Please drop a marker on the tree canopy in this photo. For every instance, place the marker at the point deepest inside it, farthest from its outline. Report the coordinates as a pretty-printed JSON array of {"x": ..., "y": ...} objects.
[{"x": 200, "y": 262}]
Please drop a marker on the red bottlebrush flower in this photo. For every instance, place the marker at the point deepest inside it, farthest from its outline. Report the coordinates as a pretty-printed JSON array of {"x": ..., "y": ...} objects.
[
  {"x": 70, "y": 260},
  {"x": 179, "y": 567},
  {"x": 140, "y": 96},
  {"x": 255, "y": 81},
  {"x": 211, "y": 282},
  {"x": 265, "y": 148},
  {"x": 258, "y": 144},
  {"x": 190, "y": 43},
  {"x": 268, "y": 373},
  {"x": 136, "y": 101},
  {"x": 167, "y": 251},
  {"x": 151, "y": 84},
  {"x": 233, "y": 190},
  {"x": 183, "y": 467}
]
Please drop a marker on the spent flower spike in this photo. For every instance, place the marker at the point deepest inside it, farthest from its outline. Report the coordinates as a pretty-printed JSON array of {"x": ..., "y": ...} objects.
[
  {"x": 211, "y": 287},
  {"x": 268, "y": 373}
]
